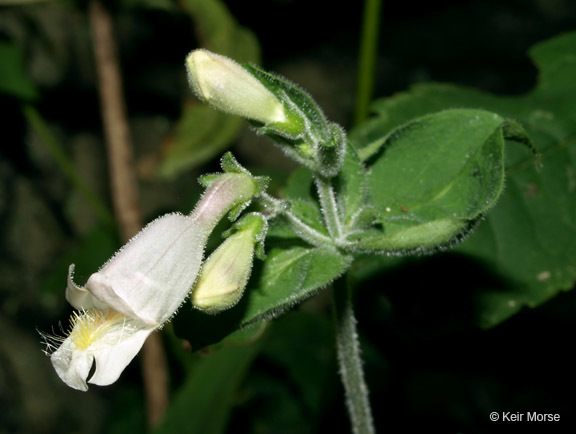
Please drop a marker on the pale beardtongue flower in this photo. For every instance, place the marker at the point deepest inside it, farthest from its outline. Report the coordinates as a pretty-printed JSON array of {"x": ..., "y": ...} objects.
[
  {"x": 140, "y": 288},
  {"x": 227, "y": 86}
]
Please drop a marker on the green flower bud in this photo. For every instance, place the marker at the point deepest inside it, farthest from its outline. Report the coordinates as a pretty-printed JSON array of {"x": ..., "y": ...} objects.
[
  {"x": 225, "y": 273},
  {"x": 227, "y": 86},
  {"x": 273, "y": 105}
]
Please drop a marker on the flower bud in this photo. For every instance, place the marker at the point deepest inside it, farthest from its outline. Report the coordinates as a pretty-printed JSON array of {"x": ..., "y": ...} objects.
[
  {"x": 227, "y": 86},
  {"x": 226, "y": 272}
]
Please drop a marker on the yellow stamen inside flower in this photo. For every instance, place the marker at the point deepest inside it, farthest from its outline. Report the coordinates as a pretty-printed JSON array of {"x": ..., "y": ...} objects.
[{"x": 91, "y": 325}]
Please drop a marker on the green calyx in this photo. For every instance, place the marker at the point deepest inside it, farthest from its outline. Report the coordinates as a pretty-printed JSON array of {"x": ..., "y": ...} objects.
[
  {"x": 254, "y": 185},
  {"x": 306, "y": 135}
]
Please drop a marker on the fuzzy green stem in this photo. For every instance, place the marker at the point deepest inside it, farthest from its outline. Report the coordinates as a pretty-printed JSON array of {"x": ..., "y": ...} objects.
[
  {"x": 367, "y": 60},
  {"x": 329, "y": 208},
  {"x": 350, "y": 360},
  {"x": 66, "y": 166},
  {"x": 278, "y": 207},
  {"x": 306, "y": 232}
]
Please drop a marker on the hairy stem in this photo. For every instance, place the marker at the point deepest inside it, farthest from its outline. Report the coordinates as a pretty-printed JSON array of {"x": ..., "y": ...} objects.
[
  {"x": 278, "y": 207},
  {"x": 329, "y": 208},
  {"x": 367, "y": 60},
  {"x": 124, "y": 188},
  {"x": 350, "y": 360}
]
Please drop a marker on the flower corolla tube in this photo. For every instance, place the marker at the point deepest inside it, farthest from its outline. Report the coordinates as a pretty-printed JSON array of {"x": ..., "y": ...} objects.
[{"x": 140, "y": 288}]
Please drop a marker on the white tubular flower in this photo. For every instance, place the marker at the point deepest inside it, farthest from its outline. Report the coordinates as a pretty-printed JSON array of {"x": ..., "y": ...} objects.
[
  {"x": 226, "y": 272},
  {"x": 141, "y": 287},
  {"x": 227, "y": 86}
]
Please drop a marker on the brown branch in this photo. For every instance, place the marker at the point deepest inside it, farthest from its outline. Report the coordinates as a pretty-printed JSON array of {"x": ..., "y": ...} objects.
[
  {"x": 120, "y": 159},
  {"x": 124, "y": 188}
]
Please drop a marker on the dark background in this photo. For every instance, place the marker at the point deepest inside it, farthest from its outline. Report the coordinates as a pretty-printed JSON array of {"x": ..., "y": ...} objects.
[{"x": 428, "y": 366}]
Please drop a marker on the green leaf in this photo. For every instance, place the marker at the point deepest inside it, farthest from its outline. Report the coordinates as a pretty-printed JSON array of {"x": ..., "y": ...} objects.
[
  {"x": 299, "y": 185},
  {"x": 292, "y": 275},
  {"x": 204, "y": 402},
  {"x": 434, "y": 177},
  {"x": 13, "y": 79},
  {"x": 527, "y": 238},
  {"x": 289, "y": 275},
  {"x": 556, "y": 63}
]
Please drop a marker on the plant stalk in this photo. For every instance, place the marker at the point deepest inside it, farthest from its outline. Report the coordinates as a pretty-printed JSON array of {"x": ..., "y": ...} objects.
[
  {"x": 367, "y": 60},
  {"x": 125, "y": 188},
  {"x": 350, "y": 360},
  {"x": 278, "y": 207},
  {"x": 329, "y": 208}
]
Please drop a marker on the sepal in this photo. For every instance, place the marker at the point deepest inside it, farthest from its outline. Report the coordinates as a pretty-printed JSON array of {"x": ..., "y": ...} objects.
[
  {"x": 229, "y": 164},
  {"x": 258, "y": 225},
  {"x": 330, "y": 154},
  {"x": 253, "y": 185}
]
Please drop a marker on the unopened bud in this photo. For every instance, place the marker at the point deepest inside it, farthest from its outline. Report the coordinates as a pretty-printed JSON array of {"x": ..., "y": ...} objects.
[
  {"x": 226, "y": 272},
  {"x": 227, "y": 86}
]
